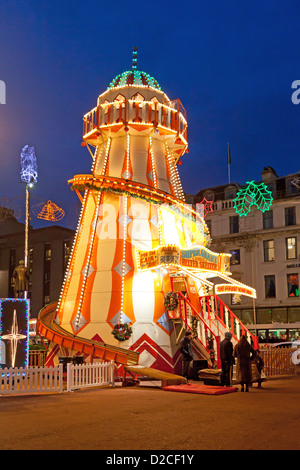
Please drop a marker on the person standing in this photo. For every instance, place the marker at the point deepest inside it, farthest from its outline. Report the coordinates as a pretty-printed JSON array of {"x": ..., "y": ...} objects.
[
  {"x": 227, "y": 359},
  {"x": 257, "y": 365},
  {"x": 244, "y": 353},
  {"x": 186, "y": 354}
]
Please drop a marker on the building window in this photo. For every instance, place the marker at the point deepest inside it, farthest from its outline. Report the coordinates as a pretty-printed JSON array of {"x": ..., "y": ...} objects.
[
  {"x": 12, "y": 265},
  {"x": 270, "y": 290},
  {"x": 291, "y": 247},
  {"x": 264, "y": 315},
  {"x": 234, "y": 224},
  {"x": 235, "y": 257},
  {"x": 267, "y": 219},
  {"x": 67, "y": 251},
  {"x": 30, "y": 266},
  {"x": 230, "y": 192},
  {"x": 47, "y": 271},
  {"x": 269, "y": 250},
  {"x": 294, "y": 314},
  {"x": 293, "y": 285},
  {"x": 236, "y": 299},
  {"x": 293, "y": 187},
  {"x": 290, "y": 216}
]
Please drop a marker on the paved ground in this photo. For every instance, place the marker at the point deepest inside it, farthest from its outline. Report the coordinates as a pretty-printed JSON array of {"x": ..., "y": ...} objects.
[{"x": 148, "y": 418}]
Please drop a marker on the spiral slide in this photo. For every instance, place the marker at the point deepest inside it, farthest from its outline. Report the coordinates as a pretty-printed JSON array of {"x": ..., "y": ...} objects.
[{"x": 47, "y": 328}]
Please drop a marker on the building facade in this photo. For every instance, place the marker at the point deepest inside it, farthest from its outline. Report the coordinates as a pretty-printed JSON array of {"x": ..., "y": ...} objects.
[
  {"x": 265, "y": 249},
  {"x": 49, "y": 250}
]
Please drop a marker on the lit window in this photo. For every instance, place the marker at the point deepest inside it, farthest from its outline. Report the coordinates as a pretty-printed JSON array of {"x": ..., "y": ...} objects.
[
  {"x": 235, "y": 257},
  {"x": 291, "y": 247},
  {"x": 293, "y": 285},
  {"x": 269, "y": 250}
]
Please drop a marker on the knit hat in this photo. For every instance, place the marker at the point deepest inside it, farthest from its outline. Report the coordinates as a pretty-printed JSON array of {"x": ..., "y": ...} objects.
[{"x": 228, "y": 335}]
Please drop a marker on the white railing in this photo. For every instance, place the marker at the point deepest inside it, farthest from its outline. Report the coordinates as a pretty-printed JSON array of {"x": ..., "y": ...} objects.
[
  {"x": 24, "y": 380},
  {"x": 89, "y": 375}
]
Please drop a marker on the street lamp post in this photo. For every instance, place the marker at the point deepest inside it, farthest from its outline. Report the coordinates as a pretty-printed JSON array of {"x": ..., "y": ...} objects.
[
  {"x": 29, "y": 176},
  {"x": 27, "y": 219}
]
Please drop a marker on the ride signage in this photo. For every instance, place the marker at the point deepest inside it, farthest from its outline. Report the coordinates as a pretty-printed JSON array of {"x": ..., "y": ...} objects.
[
  {"x": 195, "y": 259},
  {"x": 235, "y": 289}
]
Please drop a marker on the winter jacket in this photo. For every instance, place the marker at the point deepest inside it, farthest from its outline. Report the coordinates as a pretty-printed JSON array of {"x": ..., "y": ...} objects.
[
  {"x": 244, "y": 353},
  {"x": 186, "y": 349},
  {"x": 226, "y": 351}
]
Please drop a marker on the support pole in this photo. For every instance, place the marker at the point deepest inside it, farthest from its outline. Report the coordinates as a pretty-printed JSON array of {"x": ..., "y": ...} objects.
[{"x": 27, "y": 218}]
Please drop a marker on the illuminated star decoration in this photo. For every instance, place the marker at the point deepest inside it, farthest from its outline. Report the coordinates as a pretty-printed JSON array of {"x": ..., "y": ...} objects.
[
  {"x": 207, "y": 206},
  {"x": 14, "y": 337},
  {"x": 28, "y": 165}
]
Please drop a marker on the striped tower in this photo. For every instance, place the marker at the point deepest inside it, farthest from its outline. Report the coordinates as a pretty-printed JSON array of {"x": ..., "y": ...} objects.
[{"x": 132, "y": 202}]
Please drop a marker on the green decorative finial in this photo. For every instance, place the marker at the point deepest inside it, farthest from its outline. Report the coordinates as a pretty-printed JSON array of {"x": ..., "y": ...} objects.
[{"x": 134, "y": 58}]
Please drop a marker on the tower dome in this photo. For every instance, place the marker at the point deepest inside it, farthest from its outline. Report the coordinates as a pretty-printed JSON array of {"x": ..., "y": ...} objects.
[{"x": 134, "y": 78}]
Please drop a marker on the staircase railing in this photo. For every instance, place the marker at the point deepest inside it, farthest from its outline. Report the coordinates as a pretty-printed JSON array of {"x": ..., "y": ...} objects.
[
  {"x": 221, "y": 319},
  {"x": 204, "y": 334}
]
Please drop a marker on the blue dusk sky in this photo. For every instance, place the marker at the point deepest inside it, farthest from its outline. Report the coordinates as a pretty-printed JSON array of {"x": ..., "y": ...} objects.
[{"x": 232, "y": 65}]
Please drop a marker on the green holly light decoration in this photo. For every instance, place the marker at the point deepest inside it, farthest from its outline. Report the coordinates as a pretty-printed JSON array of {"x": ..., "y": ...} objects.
[{"x": 253, "y": 193}]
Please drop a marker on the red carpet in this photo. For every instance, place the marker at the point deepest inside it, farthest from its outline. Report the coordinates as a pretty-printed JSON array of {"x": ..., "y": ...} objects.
[{"x": 202, "y": 389}]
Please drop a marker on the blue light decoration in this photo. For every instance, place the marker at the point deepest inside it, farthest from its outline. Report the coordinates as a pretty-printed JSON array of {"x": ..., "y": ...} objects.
[
  {"x": 29, "y": 172},
  {"x": 14, "y": 332}
]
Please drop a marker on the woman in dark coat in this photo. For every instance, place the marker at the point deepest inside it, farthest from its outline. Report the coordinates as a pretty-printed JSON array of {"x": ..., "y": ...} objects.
[{"x": 244, "y": 353}]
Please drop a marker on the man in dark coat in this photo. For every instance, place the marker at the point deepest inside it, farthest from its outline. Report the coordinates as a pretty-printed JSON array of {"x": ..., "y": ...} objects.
[
  {"x": 227, "y": 359},
  {"x": 244, "y": 353},
  {"x": 186, "y": 353}
]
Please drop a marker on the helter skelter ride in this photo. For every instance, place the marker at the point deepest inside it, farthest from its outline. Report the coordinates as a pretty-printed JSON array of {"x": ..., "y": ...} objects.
[{"x": 137, "y": 243}]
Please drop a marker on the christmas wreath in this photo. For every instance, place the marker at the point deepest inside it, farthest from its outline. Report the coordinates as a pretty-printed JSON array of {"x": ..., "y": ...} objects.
[
  {"x": 171, "y": 300},
  {"x": 122, "y": 331}
]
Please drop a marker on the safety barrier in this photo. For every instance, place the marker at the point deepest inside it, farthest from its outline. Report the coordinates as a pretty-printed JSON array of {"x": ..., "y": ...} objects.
[
  {"x": 170, "y": 116},
  {"x": 28, "y": 380},
  {"x": 89, "y": 375},
  {"x": 278, "y": 361}
]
